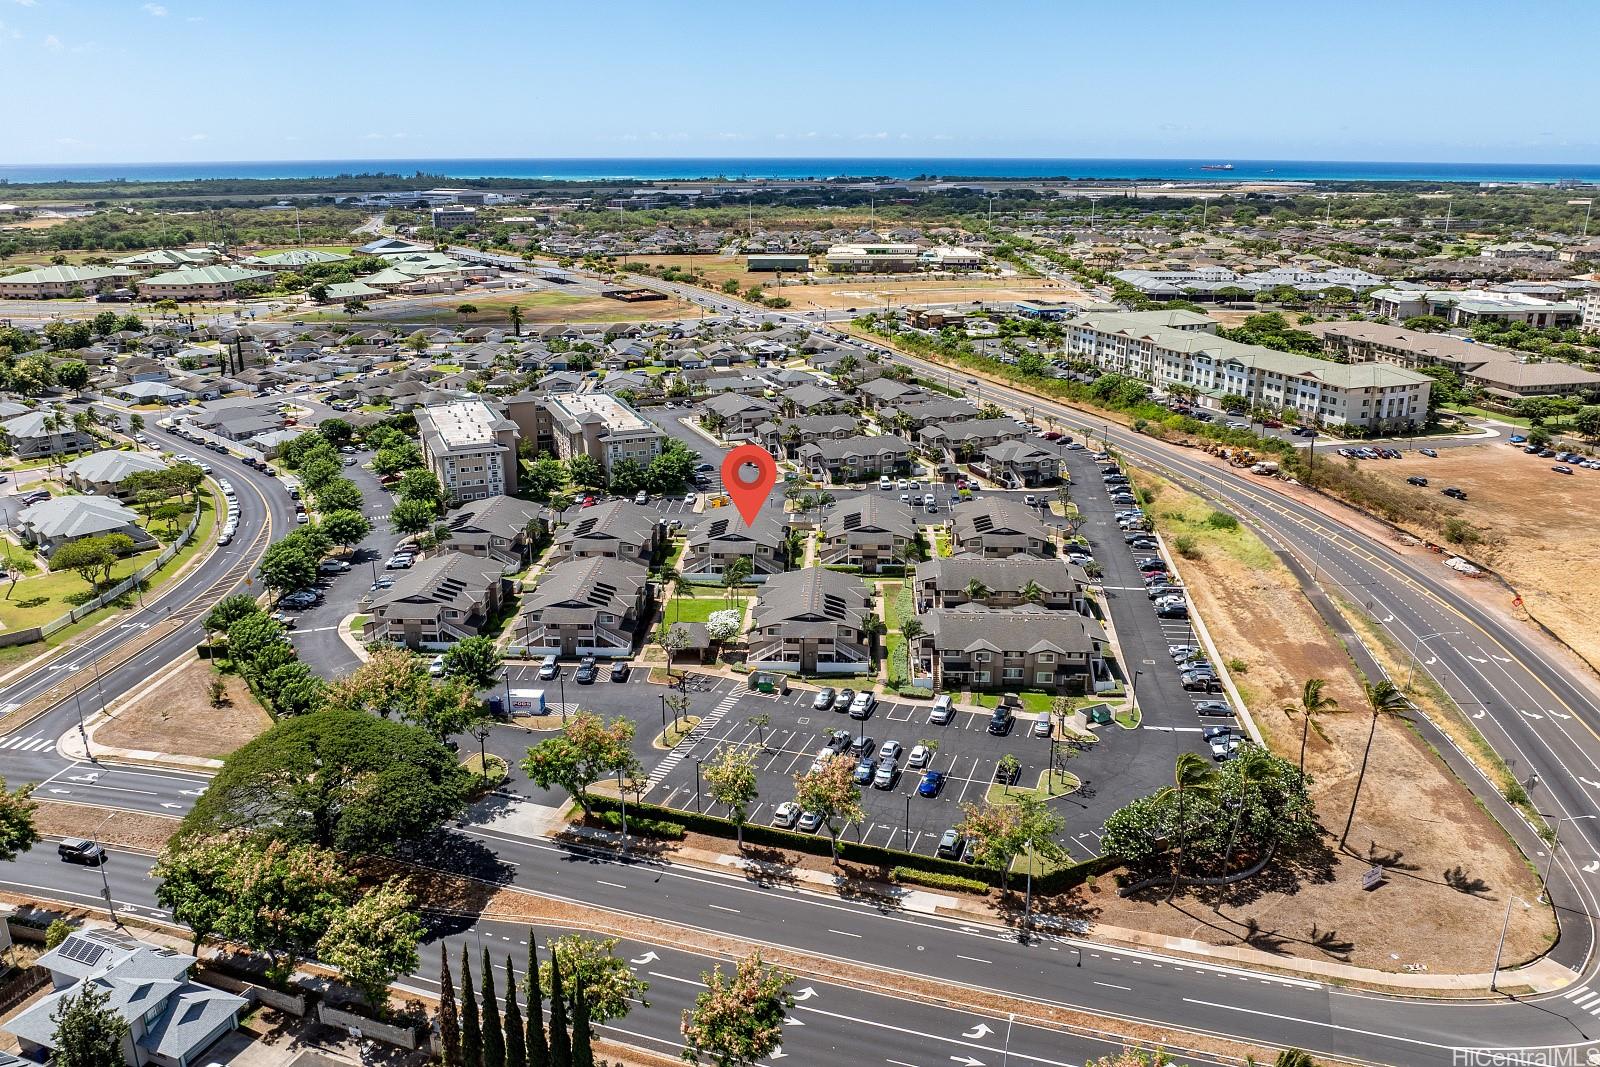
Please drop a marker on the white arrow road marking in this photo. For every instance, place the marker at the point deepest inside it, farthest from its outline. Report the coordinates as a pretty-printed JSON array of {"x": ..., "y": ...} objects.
[
  {"x": 648, "y": 957},
  {"x": 1587, "y": 782},
  {"x": 95, "y": 777},
  {"x": 1590, "y": 868},
  {"x": 1475, "y": 659},
  {"x": 1480, "y": 714},
  {"x": 981, "y": 1030},
  {"x": 1529, "y": 714},
  {"x": 790, "y": 1020},
  {"x": 805, "y": 994},
  {"x": 61, "y": 791},
  {"x": 192, "y": 792},
  {"x": 1430, "y": 661},
  {"x": 166, "y": 805},
  {"x": 1557, "y": 714},
  {"x": 967, "y": 1060},
  {"x": 1502, "y": 659},
  {"x": 778, "y": 1054}
]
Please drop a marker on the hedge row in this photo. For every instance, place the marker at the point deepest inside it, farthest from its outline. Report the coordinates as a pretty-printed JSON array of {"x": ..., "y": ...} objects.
[
  {"x": 939, "y": 881},
  {"x": 642, "y": 825}
]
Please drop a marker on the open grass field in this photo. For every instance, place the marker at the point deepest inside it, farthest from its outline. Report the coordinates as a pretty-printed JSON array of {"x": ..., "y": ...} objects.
[
  {"x": 1412, "y": 808},
  {"x": 1540, "y": 527},
  {"x": 699, "y": 608}
]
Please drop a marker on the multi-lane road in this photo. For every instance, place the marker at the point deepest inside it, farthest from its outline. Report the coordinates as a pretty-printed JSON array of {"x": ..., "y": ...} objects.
[{"x": 1532, "y": 708}]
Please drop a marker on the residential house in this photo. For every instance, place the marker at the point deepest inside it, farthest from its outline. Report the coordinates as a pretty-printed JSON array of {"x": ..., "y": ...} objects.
[
  {"x": 590, "y": 606},
  {"x": 814, "y": 400},
  {"x": 1020, "y": 464},
  {"x": 170, "y": 1020},
  {"x": 958, "y": 581},
  {"x": 733, "y": 416},
  {"x": 913, "y": 415},
  {"x": 103, "y": 473},
  {"x": 721, "y": 536},
  {"x": 499, "y": 527},
  {"x": 619, "y": 529},
  {"x": 995, "y": 529},
  {"x": 812, "y": 621},
  {"x": 853, "y": 459},
  {"x": 439, "y": 601},
  {"x": 869, "y": 531},
  {"x": 783, "y": 436},
  {"x": 43, "y": 432},
  {"x": 965, "y": 440},
  {"x": 52, "y": 523},
  {"x": 1027, "y": 647},
  {"x": 880, "y": 393}
]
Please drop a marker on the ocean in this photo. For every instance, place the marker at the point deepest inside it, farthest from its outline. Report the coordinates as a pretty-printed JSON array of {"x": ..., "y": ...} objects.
[{"x": 749, "y": 168}]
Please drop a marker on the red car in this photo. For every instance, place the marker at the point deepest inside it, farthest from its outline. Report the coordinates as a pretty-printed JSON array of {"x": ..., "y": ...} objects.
[
  {"x": 588, "y": 501},
  {"x": 1276, "y": 424},
  {"x": 1051, "y": 435}
]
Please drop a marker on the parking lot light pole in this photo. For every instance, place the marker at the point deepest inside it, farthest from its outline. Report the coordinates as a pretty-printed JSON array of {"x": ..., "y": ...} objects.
[
  {"x": 697, "y": 808},
  {"x": 663, "y": 699},
  {"x": 908, "y": 822},
  {"x": 562, "y": 679},
  {"x": 622, "y": 799}
]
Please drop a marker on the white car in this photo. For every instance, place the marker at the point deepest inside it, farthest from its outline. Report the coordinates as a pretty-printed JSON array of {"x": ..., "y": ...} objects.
[
  {"x": 785, "y": 815},
  {"x": 929, "y": 500},
  {"x": 1031, "y": 500},
  {"x": 902, "y": 484},
  {"x": 889, "y": 750},
  {"x": 919, "y": 756},
  {"x": 943, "y": 710},
  {"x": 885, "y": 483},
  {"x": 821, "y": 760},
  {"x": 436, "y": 666}
]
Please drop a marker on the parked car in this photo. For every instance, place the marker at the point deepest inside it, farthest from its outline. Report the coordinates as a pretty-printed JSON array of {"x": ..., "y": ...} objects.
[
  {"x": 943, "y": 710},
  {"x": 862, "y": 705},
  {"x": 931, "y": 783},
  {"x": 1180, "y": 652},
  {"x": 951, "y": 845},
  {"x": 1452, "y": 491},
  {"x": 620, "y": 670},
  {"x": 395, "y": 563},
  {"x": 865, "y": 768},
  {"x": 1562, "y": 468},
  {"x": 824, "y": 698},
  {"x": 332, "y": 566},
  {"x": 548, "y": 668},
  {"x": 820, "y": 760},
  {"x": 1223, "y": 746},
  {"x": 886, "y": 774},
  {"x": 918, "y": 756},
  {"x": 1042, "y": 728},
  {"x": 587, "y": 671},
  {"x": 436, "y": 667},
  {"x": 1000, "y": 721},
  {"x": 1213, "y": 709},
  {"x": 809, "y": 821},
  {"x": 1417, "y": 479},
  {"x": 1430, "y": 453},
  {"x": 1201, "y": 682},
  {"x": 839, "y": 740},
  {"x": 861, "y": 745},
  {"x": 785, "y": 815},
  {"x": 842, "y": 702}
]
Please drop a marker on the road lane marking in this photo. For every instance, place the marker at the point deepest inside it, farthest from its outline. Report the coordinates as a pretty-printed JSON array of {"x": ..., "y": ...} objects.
[
  {"x": 974, "y": 959},
  {"x": 842, "y": 933},
  {"x": 613, "y": 885},
  {"x": 1113, "y": 985}
]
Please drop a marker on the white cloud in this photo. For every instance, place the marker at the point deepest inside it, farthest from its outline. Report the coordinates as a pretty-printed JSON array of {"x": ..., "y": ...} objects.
[
  {"x": 53, "y": 43},
  {"x": 154, "y": 10},
  {"x": 879, "y": 136},
  {"x": 197, "y": 137},
  {"x": 26, "y": 3}
]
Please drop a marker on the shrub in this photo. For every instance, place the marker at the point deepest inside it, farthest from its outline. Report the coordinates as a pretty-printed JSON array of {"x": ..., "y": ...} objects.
[
  {"x": 939, "y": 881},
  {"x": 1459, "y": 531},
  {"x": 643, "y": 825},
  {"x": 1238, "y": 666},
  {"x": 1187, "y": 547},
  {"x": 1221, "y": 520},
  {"x": 56, "y": 933}
]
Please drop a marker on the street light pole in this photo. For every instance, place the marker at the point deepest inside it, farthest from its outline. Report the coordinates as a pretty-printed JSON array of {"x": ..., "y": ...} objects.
[
  {"x": 1415, "y": 645},
  {"x": 908, "y": 822},
  {"x": 1494, "y": 972},
  {"x": 562, "y": 680},
  {"x": 1555, "y": 844},
  {"x": 622, "y": 799},
  {"x": 697, "y": 808},
  {"x": 1005, "y": 1055},
  {"x": 105, "y": 883}
]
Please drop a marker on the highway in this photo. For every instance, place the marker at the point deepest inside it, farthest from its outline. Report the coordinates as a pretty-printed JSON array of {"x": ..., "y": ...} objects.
[{"x": 1535, "y": 711}]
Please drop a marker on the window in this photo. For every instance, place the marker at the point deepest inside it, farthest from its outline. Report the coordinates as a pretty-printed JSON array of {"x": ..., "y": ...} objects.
[
  {"x": 1012, "y": 674},
  {"x": 981, "y": 677},
  {"x": 981, "y": 657},
  {"x": 1043, "y": 678},
  {"x": 1047, "y": 657}
]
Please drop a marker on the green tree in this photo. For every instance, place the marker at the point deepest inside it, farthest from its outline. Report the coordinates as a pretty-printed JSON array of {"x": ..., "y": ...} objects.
[
  {"x": 1313, "y": 705},
  {"x": 374, "y": 942},
  {"x": 400, "y": 456},
  {"x": 17, "y": 832},
  {"x": 336, "y": 431},
  {"x": 471, "y": 1023},
  {"x": 516, "y": 1036},
  {"x": 412, "y": 516},
  {"x": 449, "y": 1017},
  {"x": 336, "y": 778},
  {"x": 543, "y": 477},
  {"x": 73, "y": 374},
  {"x": 628, "y": 477},
  {"x": 338, "y": 494},
  {"x": 346, "y": 528},
  {"x": 88, "y": 556},
  {"x": 582, "y": 1031},
  {"x": 737, "y": 1020},
  {"x": 1539, "y": 437},
  {"x": 552, "y": 979},
  {"x": 910, "y": 629},
  {"x": 1384, "y": 700},
  {"x": 515, "y": 314},
  {"x": 88, "y": 1031},
  {"x": 831, "y": 793},
  {"x": 586, "y": 472},
  {"x": 423, "y": 485},
  {"x": 586, "y": 751},
  {"x": 1191, "y": 776},
  {"x": 731, "y": 779},
  {"x": 1587, "y": 420},
  {"x": 192, "y": 876},
  {"x": 538, "y": 1043},
  {"x": 474, "y": 660},
  {"x": 608, "y": 983},
  {"x": 287, "y": 565},
  {"x": 494, "y": 1034}
]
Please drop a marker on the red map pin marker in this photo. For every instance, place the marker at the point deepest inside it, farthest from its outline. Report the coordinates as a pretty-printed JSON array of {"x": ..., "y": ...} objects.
[{"x": 749, "y": 493}]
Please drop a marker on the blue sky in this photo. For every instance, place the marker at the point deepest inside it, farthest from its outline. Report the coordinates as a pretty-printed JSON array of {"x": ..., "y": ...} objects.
[{"x": 192, "y": 80}]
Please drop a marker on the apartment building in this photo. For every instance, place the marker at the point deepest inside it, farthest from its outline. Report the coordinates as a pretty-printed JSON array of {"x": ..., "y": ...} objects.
[
  {"x": 471, "y": 448},
  {"x": 996, "y": 529},
  {"x": 721, "y": 536},
  {"x": 812, "y": 621},
  {"x": 585, "y": 607},
  {"x": 957, "y": 581},
  {"x": 200, "y": 283},
  {"x": 1375, "y": 342},
  {"x": 448, "y": 218},
  {"x": 852, "y": 459},
  {"x": 870, "y": 531},
  {"x": 873, "y": 258},
  {"x": 603, "y": 427},
  {"x": 65, "y": 280},
  {"x": 1030, "y": 646},
  {"x": 1361, "y": 395},
  {"x": 1464, "y": 307}
]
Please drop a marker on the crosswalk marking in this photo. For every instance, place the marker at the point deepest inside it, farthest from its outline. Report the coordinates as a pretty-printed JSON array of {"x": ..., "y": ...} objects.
[
  {"x": 1584, "y": 1000},
  {"x": 685, "y": 746},
  {"x": 28, "y": 744}
]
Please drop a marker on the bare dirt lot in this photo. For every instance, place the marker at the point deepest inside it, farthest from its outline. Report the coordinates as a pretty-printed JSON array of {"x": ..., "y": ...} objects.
[
  {"x": 1540, "y": 527},
  {"x": 1415, "y": 816},
  {"x": 176, "y": 716}
]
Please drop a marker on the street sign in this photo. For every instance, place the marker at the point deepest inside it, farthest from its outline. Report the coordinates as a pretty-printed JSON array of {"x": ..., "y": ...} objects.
[{"x": 1373, "y": 877}]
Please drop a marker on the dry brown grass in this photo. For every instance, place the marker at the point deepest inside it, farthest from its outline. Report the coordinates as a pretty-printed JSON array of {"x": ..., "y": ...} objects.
[
  {"x": 1540, "y": 526},
  {"x": 127, "y": 829},
  {"x": 1415, "y": 815},
  {"x": 177, "y": 718}
]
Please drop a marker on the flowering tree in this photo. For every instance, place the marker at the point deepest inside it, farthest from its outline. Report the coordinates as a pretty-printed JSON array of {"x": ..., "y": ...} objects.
[
  {"x": 738, "y": 1019},
  {"x": 732, "y": 779},
  {"x": 1001, "y": 832},
  {"x": 724, "y": 625},
  {"x": 608, "y": 983},
  {"x": 586, "y": 751},
  {"x": 832, "y": 794},
  {"x": 374, "y": 941}
]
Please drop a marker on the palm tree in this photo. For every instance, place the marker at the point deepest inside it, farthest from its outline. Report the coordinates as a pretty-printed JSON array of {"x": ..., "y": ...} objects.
[
  {"x": 1031, "y": 592},
  {"x": 516, "y": 320},
  {"x": 1383, "y": 698},
  {"x": 976, "y": 590},
  {"x": 737, "y": 571},
  {"x": 1190, "y": 775},
  {"x": 874, "y": 628},
  {"x": 910, "y": 629},
  {"x": 1312, "y": 704},
  {"x": 1249, "y": 771}
]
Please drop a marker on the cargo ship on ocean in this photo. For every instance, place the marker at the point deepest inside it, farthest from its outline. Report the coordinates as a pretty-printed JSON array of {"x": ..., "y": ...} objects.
[{"x": 1217, "y": 166}]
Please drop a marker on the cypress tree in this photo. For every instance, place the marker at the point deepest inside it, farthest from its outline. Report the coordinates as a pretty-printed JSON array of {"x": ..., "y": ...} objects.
[
  {"x": 494, "y": 1036},
  {"x": 560, "y": 1040},
  {"x": 449, "y": 1021},
  {"x": 516, "y": 1048},
  {"x": 538, "y": 1044},
  {"x": 582, "y": 1036},
  {"x": 471, "y": 1033}
]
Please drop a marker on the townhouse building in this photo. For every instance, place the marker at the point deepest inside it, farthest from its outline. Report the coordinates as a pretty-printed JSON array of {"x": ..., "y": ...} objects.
[
  {"x": 590, "y": 606},
  {"x": 853, "y": 459},
  {"x": 870, "y": 532},
  {"x": 721, "y": 536},
  {"x": 619, "y": 529},
  {"x": 995, "y": 529},
  {"x": 812, "y": 621}
]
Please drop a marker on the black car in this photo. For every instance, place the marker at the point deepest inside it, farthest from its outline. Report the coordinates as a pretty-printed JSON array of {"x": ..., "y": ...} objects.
[
  {"x": 1416, "y": 479},
  {"x": 1000, "y": 721},
  {"x": 619, "y": 671},
  {"x": 78, "y": 850},
  {"x": 1213, "y": 709},
  {"x": 587, "y": 672},
  {"x": 1452, "y": 491}
]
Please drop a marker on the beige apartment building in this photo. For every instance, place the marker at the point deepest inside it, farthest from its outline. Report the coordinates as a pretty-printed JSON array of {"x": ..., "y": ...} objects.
[{"x": 471, "y": 448}]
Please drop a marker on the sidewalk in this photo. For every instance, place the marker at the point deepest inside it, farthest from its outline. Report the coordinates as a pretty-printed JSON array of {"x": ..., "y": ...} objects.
[{"x": 1542, "y": 976}]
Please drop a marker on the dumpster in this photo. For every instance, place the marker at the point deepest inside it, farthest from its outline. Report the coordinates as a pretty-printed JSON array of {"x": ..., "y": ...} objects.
[
  {"x": 768, "y": 682},
  {"x": 1098, "y": 713}
]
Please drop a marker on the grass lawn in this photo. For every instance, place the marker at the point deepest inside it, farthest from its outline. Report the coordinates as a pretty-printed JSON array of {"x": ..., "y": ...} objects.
[
  {"x": 675, "y": 732},
  {"x": 675, "y": 555},
  {"x": 1035, "y": 700},
  {"x": 699, "y": 608},
  {"x": 1127, "y": 718},
  {"x": 1179, "y": 514},
  {"x": 1049, "y": 785},
  {"x": 357, "y": 622}
]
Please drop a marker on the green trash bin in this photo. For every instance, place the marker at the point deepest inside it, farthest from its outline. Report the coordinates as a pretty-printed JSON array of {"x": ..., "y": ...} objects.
[{"x": 1098, "y": 713}]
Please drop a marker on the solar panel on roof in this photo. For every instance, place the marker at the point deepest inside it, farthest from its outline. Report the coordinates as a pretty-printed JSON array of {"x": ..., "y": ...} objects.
[{"x": 82, "y": 950}]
